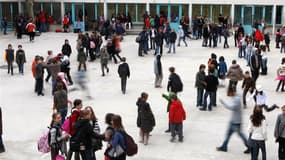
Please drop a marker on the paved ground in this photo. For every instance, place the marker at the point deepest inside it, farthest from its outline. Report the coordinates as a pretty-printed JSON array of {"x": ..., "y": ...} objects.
[{"x": 26, "y": 115}]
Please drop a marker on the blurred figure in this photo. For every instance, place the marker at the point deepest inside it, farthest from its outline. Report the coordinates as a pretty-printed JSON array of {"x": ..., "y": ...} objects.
[
  {"x": 82, "y": 79},
  {"x": 236, "y": 119},
  {"x": 2, "y": 148},
  {"x": 4, "y": 25},
  {"x": 279, "y": 133}
]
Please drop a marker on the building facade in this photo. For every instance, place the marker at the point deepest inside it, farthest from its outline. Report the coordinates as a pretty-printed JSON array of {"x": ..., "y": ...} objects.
[{"x": 242, "y": 11}]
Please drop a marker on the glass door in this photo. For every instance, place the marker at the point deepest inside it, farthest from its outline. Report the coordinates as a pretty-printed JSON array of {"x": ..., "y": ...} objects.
[{"x": 247, "y": 16}]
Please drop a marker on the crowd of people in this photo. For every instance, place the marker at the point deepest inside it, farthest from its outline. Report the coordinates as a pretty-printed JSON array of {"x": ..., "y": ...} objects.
[{"x": 80, "y": 126}]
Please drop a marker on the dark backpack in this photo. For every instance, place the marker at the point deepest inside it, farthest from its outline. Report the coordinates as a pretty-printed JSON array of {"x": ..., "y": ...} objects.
[
  {"x": 131, "y": 146},
  {"x": 177, "y": 83}
]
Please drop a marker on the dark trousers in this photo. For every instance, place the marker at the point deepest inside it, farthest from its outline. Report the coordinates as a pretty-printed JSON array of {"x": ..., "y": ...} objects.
[
  {"x": 232, "y": 129},
  {"x": 104, "y": 65},
  {"x": 10, "y": 67},
  {"x": 226, "y": 45},
  {"x": 255, "y": 74},
  {"x": 91, "y": 54},
  {"x": 2, "y": 148},
  {"x": 256, "y": 145},
  {"x": 267, "y": 46},
  {"x": 21, "y": 68},
  {"x": 282, "y": 47},
  {"x": 84, "y": 66},
  {"x": 200, "y": 92},
  {"x": 68, "y": 75},
  {"x": 86, "y": 154},
  {"x": 63, "y": 113},
  {"x": 281, "y": 148},
  {"x": 69, "y": 155},
  {"x": 48, "y": 75},
  {"x": 177, "y": 129},
  {"x": 32, "y": 36},
  {"x": 279, "y": 84},
  {"x": 152, "y": 43},
  {"x": 211, "y": 94},
  {"x": 54, "y": 151},
  {"x": 39, "y": 85},
  {"x": 123, "y": 84},
  {"x": 245, "y": 90},
  {"x": 114, "y": 55}
]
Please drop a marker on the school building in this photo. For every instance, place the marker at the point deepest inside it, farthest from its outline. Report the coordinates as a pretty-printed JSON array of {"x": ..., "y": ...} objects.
[{"x": 241, "y": 11}]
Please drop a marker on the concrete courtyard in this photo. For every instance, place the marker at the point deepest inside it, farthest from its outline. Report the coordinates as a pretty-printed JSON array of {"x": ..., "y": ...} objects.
[{"x": 26, "y": 116}]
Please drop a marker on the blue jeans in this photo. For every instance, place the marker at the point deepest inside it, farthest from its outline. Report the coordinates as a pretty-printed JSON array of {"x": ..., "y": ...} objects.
[
  {"x": 63, "y": 113},
  {"x": 256, "y": 145},
  {"x": 43, "y": 27},
  {"x": 233, "y": 128},
  {"x": 21, "y": 68},
  {"x": 157, "y": 49},
  {"x": 240, "y": 51},
  {"x": 172, "y": 45},
  {"x": 212, "y": 96}
]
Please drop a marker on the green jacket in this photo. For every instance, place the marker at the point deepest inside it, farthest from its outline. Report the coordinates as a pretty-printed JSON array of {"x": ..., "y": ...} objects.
[{"x": 169, "y": 98}]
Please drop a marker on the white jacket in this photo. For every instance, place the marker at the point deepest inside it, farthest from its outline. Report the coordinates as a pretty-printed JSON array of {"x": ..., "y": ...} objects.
[{"x": 258, "y": 133}]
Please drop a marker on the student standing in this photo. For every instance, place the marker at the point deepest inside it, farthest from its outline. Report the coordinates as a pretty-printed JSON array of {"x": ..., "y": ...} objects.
[
  {"x": 9, "y": 57},
  {"x": 174, "y": 82},
  {"x": 31, "y": 29},
  {"x": 172, "y": 40},
  {"x": 258, "y": 133},
  {"x": 200, "y": 84},
  {"x": 248, "y": 84},
  {"x": 20, "y": 59},
  {"x": 39, "y": 75},
  {"x": 124, "y": 73}
]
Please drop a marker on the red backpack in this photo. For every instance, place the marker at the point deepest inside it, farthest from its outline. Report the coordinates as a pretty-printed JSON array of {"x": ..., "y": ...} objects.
[{"x": 131, "y": 146}]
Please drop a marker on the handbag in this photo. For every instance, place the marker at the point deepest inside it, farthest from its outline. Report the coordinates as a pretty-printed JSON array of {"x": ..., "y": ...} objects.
[
  {"x": 59, "y": 157},
  {"x": 115, "y": 151}
]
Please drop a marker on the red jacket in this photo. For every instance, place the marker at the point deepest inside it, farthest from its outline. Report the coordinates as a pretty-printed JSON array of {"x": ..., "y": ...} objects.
[
  {"x": 73, "y": 119},
  {"x": 258, "y": 35},
  {"x": 31, "y": 27},
  {"x": 176, "y": 113}
]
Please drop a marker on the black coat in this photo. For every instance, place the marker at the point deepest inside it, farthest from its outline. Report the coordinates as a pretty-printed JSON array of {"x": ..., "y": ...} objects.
[
  {"x": 124, "y": 70},
  {"x": 84, "y": 131},
  {"x": 10, "y": 55},
  {"x": 66, "y": 50},
  {"x": 212, "y": 83},
  {"x": 145, "y": 119},
  {"x": 255, "y": 62},
  {"x": 172, "y": 37},
  {"x": 173, "y": 83},
  {"x": 20, "y": 57},
  {"x": 159, "y": 39},
  {"x": 1, "y": 127}
]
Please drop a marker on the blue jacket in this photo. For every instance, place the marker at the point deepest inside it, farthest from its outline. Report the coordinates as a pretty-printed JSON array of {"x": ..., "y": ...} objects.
[
  {"x": 118, "y": 139},
  {"x": 223, "y": 68}
]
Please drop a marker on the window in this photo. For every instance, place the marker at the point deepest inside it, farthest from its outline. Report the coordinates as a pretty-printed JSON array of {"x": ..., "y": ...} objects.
[
  {"x": 121, "y": 8},
  {"x": 237, "y": 18},
  {"x": 141, "y": 11},
  {"x": 100, "y": 9},
  {"x": 56, "y": 12},
  {"x": 248, "y": 16},
  {"x": 132, "y": 11},
  {"x": 268, "y": 14},
  {"x": 258, "y": 13},
  {"x": 152, "y": 8},
  {"x": 279, "y": 14},
  {"x": 6, "y": 11},
  {"x": 47, "y": 8},
  {"x": 206, "y": 11},
  {"x": 67, "y": 7},
  {"x": 174, "y": 15},
  {"x": 111, "y": 9},
  {"x": 196, "y": 10},
  {"x": 185, "y": 10},
  {"x": 37, "y": 8},
  {"x": 215, "y": 13},
  {"x": 226, "y": 10},
  {"x": 90, "y": 11}
]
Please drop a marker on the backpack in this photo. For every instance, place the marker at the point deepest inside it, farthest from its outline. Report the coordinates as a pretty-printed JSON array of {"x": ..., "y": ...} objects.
[
  {"x": 66, "y": 126},
  {"x": 177, "y": 83},
  {"x": 43, "y": 142},
  {"x": 131, "y": 146},
  {"x": 138, "y": 39},
  {"x": 92, "y": 44}
]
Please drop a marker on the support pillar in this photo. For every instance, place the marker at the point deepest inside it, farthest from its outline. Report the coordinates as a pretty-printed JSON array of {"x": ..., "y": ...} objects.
[
  {"x": 62, "y": 11},
  {"x": 105, "y": 10},
  {"x": 190, "y": 13},
  {"x": 273, "y": 20},
  {"x": 232, "y": 14},
  {"x": 283, "y": 14},
  {"x": 20, "y": 8},
  {"x": 147, "y": 8}
]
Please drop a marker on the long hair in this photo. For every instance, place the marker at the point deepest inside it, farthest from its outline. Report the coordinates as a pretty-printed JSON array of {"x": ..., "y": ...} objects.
[
  {"x": 93, "y": 117},
  {"x": 257, "y": 116},
  {"x": 53, "y": 117},
  {"x": 117, "y": 122},
  {"x": 108, "y": 118}
]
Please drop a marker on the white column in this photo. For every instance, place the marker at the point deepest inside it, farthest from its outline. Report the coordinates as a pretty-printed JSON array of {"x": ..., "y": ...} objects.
[
  {"x": 105, "y": 10},
  {"x": 232, "y": 14},
  {"x": 20, "y": 8},
  {"x": 273, "y": 21},
  {"x": 190, "y": 13},
  {"x": 62, "y": 9},
  {"x": 147, "y": 7}
]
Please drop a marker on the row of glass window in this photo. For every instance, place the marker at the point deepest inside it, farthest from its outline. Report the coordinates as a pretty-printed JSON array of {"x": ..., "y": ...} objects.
[{"x": 243, "y": 14}]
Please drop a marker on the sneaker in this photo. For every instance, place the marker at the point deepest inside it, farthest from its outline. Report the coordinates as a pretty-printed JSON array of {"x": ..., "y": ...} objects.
[
  {"x": 167, "y": 131},
  {"x": 202, "y": 109},
  {"x": 221, "y": 149}
]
